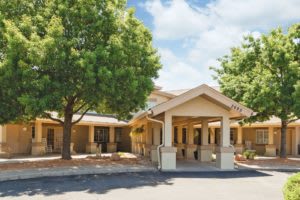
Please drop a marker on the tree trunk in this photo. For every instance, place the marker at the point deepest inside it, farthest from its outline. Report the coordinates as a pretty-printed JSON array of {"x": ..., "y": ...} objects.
[
  {"x": 67, "y": 127},
  {"x": 283, "y": 139}
]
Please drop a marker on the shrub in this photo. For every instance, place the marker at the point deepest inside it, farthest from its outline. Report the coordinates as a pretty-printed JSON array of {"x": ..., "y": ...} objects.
[
  {"x": 291, "y": 189},
  {"x": 249, "y": 154}
]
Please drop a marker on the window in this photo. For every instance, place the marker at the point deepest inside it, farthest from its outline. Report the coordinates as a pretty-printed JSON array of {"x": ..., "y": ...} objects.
[
  {"x": 183, "y": 135},
  {"x": 118, "y": 132},
  {"x": 231, "y": 136},
  {"x": 175, "y": 135},
  {"x": 101, "y": 134},
  {"x": 161, "y": 135},
  {"x": 33, "y": 132},
  {"x": 262, "y": 136}
]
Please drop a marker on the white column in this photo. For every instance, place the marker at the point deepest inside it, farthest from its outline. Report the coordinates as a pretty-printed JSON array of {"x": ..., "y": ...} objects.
[
  {"x": 179, "y": 134},
  {"x": 212, "y": 136},
  {"x": 224, "y": 152},
  {"x": 4, "y": 150},
  {"x": 91, "y": 134},
  {"x": 190, "y": 147},
  {"x": 38, "y": 131},
  {"x": 38, "y": 147},
  {"x": 270, "y": 148},
  {"x": 225, "y": 132},
  {"x": 168, "y": 153},
  {"x": 111, "y": 134},
  {"x": 111, "y": 146},
  {"x": 168, "y": 130},
  {"x": 91, "y": 147},
  {"x": 297, "y": 140},
  {"x": 204, "y": 135},
  {"x": 205, "y": 150},
  {"x": 239, "y": 135},
  {"x": 271, "y": 135},
  {"x": 239, "y": 147},
  {"x": 2, "y": 134}
]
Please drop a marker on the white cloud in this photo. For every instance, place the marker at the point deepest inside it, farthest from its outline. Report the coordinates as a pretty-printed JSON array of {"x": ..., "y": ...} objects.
[
  {"x": 175, "y": 73},
  {"x": 207, "y": 33}
]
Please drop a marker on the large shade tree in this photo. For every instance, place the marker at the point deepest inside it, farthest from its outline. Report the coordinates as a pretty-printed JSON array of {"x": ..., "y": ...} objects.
[
  {"x": 69, "y": 57},
  {"x": 263, "y": 73}
]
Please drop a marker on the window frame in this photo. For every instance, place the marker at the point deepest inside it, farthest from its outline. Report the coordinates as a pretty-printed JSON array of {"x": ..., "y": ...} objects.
[{"x": 263, "y": 139}]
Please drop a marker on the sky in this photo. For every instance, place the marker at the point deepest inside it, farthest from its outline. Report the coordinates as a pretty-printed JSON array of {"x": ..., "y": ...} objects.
[{"x": 190, "y": 35}]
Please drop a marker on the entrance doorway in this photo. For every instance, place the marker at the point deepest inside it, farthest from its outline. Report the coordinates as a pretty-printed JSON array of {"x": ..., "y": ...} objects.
[
  {"x": 101, "y": 136},
  {"x": 50, "y": 138}
]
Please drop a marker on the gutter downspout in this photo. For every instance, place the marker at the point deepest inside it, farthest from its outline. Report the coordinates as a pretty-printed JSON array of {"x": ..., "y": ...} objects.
[{"x": 163, "y": 137}]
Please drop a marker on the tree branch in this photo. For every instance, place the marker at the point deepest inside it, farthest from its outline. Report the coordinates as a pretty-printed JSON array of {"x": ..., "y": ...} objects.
[
  {"x": 80, "y": 107},
  {"x": 293, "y": 120},
  {"x": 52, "y": 118},
  {"x": 80, "y": 118}
]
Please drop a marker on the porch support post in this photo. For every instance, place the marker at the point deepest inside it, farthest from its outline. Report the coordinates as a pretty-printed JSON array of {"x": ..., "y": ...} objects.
[
  {"x": 190, "y": 147},
  {"x": 168, "y": 153},
  {"x": 179, "y": 146},
  {"x": 38, "y": 148},
  {"x": 112, "y": 145},
  {"x": 91, "y": 147},
  {"x": 297, "y": 131},
  {"x": 205, "y": 150},
  {"x": 239, "y": 147},
  {"x": 156, "y": 141},
  {"x": 270, "y": 148},
  {"x": 4, "y": 150},
  {"x": 148, "y": 142},
  {"x": 225, "y": 152},
  {"x": 212, "y": 139}
]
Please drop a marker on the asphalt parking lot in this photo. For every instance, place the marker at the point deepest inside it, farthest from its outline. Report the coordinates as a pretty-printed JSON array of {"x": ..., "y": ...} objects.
[{"x": 242, "y": 185}]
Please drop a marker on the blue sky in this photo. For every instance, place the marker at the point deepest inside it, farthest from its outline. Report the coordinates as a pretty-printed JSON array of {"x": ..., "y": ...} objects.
[{"x": 191, "y": 34}]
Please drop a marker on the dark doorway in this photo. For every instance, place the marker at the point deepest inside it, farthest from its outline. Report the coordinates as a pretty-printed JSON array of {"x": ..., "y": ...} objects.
[
  {"x": 101, "y": 136},
  {"x": 50, "y": 138}
]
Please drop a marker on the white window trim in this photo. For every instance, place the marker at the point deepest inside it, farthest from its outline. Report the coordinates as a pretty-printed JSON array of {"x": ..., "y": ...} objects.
[{"x": 265, "y": 136}]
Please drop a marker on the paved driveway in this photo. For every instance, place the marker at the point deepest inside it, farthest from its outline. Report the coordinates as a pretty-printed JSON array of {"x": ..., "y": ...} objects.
[{"x": 241, "y": 185}]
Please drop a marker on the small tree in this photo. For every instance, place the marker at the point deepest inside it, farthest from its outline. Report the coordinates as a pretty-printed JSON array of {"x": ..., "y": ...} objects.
[
  {"x": 70, "y": 57},
  {"x": 262, "y": 74}
]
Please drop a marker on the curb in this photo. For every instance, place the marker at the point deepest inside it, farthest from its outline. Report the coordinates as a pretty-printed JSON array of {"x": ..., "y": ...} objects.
[{"x": 22, "y": 175}]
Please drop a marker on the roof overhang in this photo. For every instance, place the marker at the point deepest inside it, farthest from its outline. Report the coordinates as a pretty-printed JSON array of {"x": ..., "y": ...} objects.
[{"x": 237, "y": 109}]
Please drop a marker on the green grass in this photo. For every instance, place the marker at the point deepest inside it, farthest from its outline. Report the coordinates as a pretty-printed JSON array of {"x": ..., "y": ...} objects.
[{"x": 291, "y": 189}]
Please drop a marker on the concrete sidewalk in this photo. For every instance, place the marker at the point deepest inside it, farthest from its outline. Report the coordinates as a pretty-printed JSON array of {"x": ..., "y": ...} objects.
[{"x": 70, "y": 171}]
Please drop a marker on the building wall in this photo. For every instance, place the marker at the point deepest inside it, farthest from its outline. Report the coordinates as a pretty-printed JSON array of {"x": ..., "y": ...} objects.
[
  {"x": 79, "y": 137},
  {"x": 19, "y": 138}
]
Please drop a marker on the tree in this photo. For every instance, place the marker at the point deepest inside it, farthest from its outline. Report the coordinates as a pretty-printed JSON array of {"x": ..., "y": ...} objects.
[
  {"x": 262, "y": 74},
  {"x": 72, "y": 57}
]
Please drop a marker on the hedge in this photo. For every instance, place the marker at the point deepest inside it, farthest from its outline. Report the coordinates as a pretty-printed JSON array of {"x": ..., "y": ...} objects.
[{"x": 291, "y": 189}]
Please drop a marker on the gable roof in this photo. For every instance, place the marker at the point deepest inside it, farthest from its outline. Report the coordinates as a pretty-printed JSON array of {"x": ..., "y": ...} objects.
[{"x": 198, "y": 91}]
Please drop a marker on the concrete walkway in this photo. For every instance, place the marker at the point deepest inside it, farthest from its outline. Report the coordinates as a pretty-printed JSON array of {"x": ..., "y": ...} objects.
[{"x": 70, "y": 171}]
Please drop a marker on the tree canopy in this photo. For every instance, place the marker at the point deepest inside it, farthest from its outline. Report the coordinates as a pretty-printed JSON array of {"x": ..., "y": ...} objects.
[
  {"x": 263, "y": 74},
  {"x": 71, "y": 57}
]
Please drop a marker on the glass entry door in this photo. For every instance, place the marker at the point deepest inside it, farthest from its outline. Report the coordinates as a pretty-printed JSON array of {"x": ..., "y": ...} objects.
[{"x": 101, "y": 136}]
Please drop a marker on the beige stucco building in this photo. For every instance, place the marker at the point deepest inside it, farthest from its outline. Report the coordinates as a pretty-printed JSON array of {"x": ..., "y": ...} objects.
[{"x": 184, "y": 124}]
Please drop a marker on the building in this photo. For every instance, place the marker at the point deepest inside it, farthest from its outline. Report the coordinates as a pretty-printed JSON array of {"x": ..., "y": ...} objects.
[{"x": 182, "y": 124}]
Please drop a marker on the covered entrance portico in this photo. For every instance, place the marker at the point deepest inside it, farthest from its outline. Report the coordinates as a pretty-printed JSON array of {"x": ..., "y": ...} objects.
[{"x": 170, "y": 132}]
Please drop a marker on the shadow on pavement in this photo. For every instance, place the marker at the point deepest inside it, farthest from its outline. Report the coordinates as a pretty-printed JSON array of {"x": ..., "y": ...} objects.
[{"x": 101, "y": 184}]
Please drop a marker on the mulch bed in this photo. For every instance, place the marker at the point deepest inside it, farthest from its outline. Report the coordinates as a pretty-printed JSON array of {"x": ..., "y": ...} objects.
[
  {"x": 76, "y": 162},
  {"x": 272, "y": 162}
]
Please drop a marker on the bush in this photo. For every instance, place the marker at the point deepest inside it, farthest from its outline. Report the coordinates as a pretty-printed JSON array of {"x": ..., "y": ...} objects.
[
  {"x": 249, "y": 154},
  {"x": 291, "y": 189}
]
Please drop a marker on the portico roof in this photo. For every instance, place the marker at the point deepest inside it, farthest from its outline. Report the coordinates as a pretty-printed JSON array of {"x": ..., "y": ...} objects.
[{"x": 209, "y": 93}]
